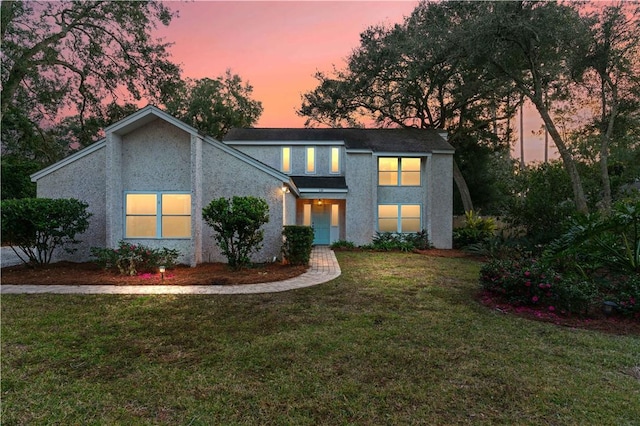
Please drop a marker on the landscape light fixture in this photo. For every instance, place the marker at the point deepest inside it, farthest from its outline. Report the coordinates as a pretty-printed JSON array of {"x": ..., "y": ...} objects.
[
  {"x": 162, "y": 269},
  {"x": 608, "y": 307}
]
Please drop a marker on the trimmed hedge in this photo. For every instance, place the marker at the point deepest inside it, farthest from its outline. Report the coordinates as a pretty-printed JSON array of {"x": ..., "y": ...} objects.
[{"x": 297, "y": 245}]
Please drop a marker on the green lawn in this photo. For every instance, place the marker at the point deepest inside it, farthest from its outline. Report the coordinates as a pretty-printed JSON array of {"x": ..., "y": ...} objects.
[{"x": 397, "y": 339}]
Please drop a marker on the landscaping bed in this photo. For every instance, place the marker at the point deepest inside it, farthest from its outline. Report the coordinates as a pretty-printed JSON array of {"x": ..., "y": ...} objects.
[{"x": 70, "y": 273}]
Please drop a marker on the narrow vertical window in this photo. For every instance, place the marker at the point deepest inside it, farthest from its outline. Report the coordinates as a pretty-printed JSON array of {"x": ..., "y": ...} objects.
[
  {"x": 311, "y": 160},
  {"x": 334, "y": 215},
  {"x": 335, "y": 160},
  {"x": 286, "y": 159},
  {"x": 306, "y": 215}
]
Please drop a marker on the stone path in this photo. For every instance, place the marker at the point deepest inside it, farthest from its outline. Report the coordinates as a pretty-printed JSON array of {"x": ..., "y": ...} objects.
[{"x": 324, "y": 267}]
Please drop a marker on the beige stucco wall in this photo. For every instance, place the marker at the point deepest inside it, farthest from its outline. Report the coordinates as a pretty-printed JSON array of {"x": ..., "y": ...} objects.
[
  {"x": 440, "y": 187},
  {"x": 83, "y": 179},
  {"x": 226, "y": 176},
  {"x": 360, "y": 175}
]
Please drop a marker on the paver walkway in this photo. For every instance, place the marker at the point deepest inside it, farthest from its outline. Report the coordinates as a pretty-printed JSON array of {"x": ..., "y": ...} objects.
[{"x": 324, "y": 267}]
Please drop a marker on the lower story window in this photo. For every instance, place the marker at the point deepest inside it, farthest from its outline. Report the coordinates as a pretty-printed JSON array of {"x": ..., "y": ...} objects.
[
  {"x": 158, "y": 215},
  {"x": 399, "y": 218}
]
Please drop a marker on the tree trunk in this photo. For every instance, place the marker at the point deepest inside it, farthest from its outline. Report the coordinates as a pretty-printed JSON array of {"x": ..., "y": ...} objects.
[
  {"x": 463, "y": 189},
  {"x": 567, "y": 159}
]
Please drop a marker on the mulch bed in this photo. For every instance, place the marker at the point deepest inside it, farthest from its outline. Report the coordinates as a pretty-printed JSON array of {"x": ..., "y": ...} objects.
[{"x": 70, "y": 273}]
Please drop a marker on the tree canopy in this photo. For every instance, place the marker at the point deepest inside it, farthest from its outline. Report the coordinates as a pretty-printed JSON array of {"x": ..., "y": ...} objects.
[
  {"x": 214, "y": 106},
  {"x": 465, "y": 66}
]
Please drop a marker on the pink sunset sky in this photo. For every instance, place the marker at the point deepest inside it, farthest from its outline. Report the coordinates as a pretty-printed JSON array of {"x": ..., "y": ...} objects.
[{"x": 277, "y": 47}]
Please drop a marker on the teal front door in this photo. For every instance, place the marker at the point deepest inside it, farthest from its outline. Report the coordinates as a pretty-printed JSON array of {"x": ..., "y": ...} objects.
[{"x": 321, "y": 224}]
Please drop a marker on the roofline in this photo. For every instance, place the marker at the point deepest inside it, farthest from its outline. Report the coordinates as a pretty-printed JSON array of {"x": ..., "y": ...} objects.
[
  {"x": 145, "y": 112},
  {"x": 70, "y": 159},
  {"x": 283, "y": 142}
]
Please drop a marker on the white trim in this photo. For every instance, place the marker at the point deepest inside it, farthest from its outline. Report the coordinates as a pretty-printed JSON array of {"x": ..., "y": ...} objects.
[
  {"x": 443, "y": 151},
  {"x": 145, "y": 116},
  {"x": 283, "y": 142},
  {"x": 70, "y": 159},
  {"x": 325, "y": 190}
]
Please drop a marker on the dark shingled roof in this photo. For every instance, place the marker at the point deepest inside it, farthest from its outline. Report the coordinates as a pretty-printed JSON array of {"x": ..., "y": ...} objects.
[
  {"x": 317, "y": 182},
  {"x": 376, "y": 140}
]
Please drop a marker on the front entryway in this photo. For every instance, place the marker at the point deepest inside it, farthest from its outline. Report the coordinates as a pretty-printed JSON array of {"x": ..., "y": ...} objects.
[{"x": 321, "y": 224}]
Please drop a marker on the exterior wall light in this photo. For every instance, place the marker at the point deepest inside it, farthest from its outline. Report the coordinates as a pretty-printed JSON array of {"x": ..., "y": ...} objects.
[{"x": 285, "y": 189}]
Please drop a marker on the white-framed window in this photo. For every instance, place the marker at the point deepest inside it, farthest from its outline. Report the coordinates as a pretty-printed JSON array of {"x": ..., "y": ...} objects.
[
  {"x": 286, "y": 159},
  {"x": 393, "y": 171},
  {"x": 157, "y": 215},
  {"x": 306, "y": 215},
  {"x": 403, "y": 218},
  {"x": 310, "y": 167},
  {"x": 335, "y": 160},
  {"x": 335, "y": 219}
]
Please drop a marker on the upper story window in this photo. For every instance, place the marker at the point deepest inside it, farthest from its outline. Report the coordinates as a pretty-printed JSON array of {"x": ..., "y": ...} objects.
[
  {"x": 158, "y": 215},
  {"x": 335, "y": 160},
  {"x": 393, "y": 171},
  {"x": 286, "y": 159},
  {"x": 310, "y": 160}
]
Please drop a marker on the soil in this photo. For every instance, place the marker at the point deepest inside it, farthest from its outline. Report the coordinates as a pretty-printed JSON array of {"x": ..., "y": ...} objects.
[{"x": 70, "y": 273}]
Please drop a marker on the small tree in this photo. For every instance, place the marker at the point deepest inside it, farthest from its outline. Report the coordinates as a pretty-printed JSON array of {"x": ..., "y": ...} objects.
[
  {"x": 37, "y": 226},
  {"x": 237, "y": 223}
]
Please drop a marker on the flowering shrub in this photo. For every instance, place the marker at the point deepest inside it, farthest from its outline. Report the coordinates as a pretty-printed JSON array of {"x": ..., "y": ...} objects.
[
  {"x": 130, "y": 259},
  {"x": 529, "y": 282}
]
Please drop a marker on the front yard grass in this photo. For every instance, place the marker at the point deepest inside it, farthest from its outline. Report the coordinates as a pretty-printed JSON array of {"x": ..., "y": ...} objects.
[{"x": 397, "y": 339}]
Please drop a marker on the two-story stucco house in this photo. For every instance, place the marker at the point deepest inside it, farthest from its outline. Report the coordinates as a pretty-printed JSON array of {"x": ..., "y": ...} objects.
[{"x": 149, "y": 179}]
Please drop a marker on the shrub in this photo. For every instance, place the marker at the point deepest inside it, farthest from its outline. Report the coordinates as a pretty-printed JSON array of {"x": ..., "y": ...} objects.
[
  {"x": 389, "y": 241},
  {"x": 236, "y": 223},
  {"x": 476, "y": 229},
  {"x": 420, "y": 240},
  {"x": 298, "y": 241},
  {"x": 38, "y": 226},
  {"x": 342, "y": 244},
  {"x": 625, "y": 292},
  {"x": 529, "y": 282},
  {"x": 130, "y": 259}
]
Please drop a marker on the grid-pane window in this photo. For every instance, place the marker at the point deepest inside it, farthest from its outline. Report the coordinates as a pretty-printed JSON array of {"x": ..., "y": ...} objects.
[
  {"x": 398, "y": 171},
  {"x": 141, "y": 218},
  {"x": 410, "y": 172},
  {"x": 176, "y": 215},
  {"x": 158, "y": 215},
  {"x": 403, "y": 218},
  {"x": 387, "y": 171}
]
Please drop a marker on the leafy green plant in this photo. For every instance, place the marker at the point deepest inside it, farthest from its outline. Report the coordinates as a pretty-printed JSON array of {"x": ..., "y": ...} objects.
[
  {"x": 420, "y": 240},
  {"x": 298, "y": 241},
  {"x": 38, "y": 226},
  {"x": 597, "y": 241},
  {"x": 389, "y": 241},
  {"x": 476, "y": 229},
  {"x": 342, "y": 244},
  {"x": 131, "y": 259},
  {"x": 236, "y": 223},
  {"x": 529, "y": 282}
]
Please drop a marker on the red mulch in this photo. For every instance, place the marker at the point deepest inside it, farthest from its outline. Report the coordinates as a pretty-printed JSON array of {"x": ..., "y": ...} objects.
[
  {"x": 70, "y": 273},
  {"x": 597, "y": 321}
]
